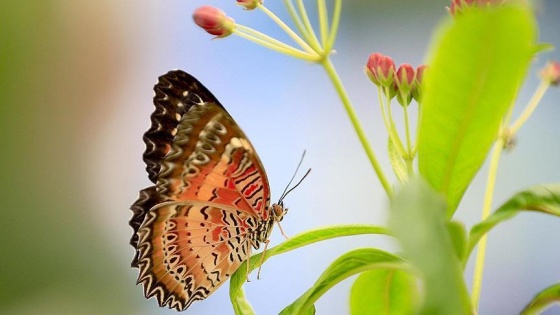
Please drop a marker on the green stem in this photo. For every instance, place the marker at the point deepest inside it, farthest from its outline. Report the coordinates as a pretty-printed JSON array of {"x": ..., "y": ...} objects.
[
  {"x": 296, "y": 19},
  {"x": 323, "y": 21},
  {"x": 334, "y": 25},
  {"x": 535, "y": 99},
  {"x": 407, "y": 131},
  {"x": 286, "y": 29},
  {"x": 393, "y": 126},
  {"x": 274, "y": 44},
  {"x": 409, "y": 158},
  {"x": 331, "y": 72},
  {"x": 392, "y": 135},
  {"x": 489, "y": 194},
  {"x": 312, "y": 38},
  {"x": 418, "y": 118}
]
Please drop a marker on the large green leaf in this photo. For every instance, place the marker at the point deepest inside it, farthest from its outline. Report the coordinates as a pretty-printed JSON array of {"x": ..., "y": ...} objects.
[
  {"x": 384, "y": 292},
  {"x": 543, "y": 300},
  {"x": 458, "y": 235},
  {"x": 347, "y": 265},
  {"x": 240, "y": 303},
  {"x": 477, "y": 65},
  {"x": 418, "y": 220},
  {"x": 542, "y": 198}
]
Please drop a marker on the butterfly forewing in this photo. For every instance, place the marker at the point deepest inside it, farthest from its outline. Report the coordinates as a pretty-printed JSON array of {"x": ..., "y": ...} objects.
[{"x": 195, "y": 227}]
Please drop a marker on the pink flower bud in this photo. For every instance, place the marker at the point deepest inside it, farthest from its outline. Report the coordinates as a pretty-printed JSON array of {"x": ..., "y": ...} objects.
[
  {"x": 551, "y": 73},
  {"x": 214, "y": 21},
  {"x": 405, "y": 76},
  {"x": 249, "y": 4},
  {"x": 416, "y": 91},
  {"x": 380, "y": 69},
  {"x": 420, "y": 73},
  {"x": 458, "y": 6},
  {"x": 404, "y": 81}
]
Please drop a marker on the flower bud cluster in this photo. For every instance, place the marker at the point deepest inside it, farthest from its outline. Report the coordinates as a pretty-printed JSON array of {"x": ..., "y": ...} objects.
[
  {"x": 403, "y": 82},
  {"x": 459, "y": 6}
]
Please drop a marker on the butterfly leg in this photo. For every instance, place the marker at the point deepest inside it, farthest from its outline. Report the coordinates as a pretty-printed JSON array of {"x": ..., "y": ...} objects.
[
  {"x": 262, "y": 258},
  {"x": 281, "y": 231},
  {"x": 248, "y": 261}
]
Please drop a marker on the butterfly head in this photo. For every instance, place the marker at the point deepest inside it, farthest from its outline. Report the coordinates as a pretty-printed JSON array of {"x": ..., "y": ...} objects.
[
  {"x": 276, "y": 214},
  {"x": 278, "y": 211}
]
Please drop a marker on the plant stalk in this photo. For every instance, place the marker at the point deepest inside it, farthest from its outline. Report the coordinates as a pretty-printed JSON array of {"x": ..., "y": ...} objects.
[
  {"x": 331, "y": 72},
  {"x": 488, "y": 197}
]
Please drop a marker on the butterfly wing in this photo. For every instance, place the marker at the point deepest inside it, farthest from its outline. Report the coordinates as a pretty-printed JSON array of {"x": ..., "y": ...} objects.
[
  {"x": 196, "y": 225},
  {"x": 159, "y": 137}
]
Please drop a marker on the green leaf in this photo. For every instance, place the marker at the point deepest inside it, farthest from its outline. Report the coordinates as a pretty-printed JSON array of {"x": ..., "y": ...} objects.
[
  {"x": 477, "y": 65},
  {"x": 417, "y": 218},
  {"x": 541, "y": 198},
  {"x": 458, "y": 235},
  {"x": 241, "y": 305},
  {"x": 240, "y": 276},
  {"x": 347, "y": 265},
  {"x": 384, "y": 291},
  {"x": 397, "y": 162},
  {"x": 543, "y": 299}
]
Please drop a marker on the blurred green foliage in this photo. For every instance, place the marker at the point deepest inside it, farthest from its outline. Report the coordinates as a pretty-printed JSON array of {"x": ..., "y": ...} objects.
[{"x": 52, "y": 260}]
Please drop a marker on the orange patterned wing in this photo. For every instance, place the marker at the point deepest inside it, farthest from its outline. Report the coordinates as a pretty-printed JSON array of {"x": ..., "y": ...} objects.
[{"x": 195, "y": 227}]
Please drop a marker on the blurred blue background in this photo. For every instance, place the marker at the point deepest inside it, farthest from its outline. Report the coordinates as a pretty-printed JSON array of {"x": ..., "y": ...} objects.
[{"x": 76, "y": 82}]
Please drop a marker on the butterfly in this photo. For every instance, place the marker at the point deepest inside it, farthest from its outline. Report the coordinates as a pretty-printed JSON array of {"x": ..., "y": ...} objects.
[{"x": 210, "y": 202}]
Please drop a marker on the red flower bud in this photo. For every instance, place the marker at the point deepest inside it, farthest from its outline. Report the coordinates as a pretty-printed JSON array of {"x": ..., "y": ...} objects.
[
  {"x": 551, "y": 73},
  {"x": 404, "y": 82},
  {"x": 380, "y": 69},
  {"x": 416, "y": 91},
  {"x": 458, "y": 6},
  {"x": 405, "y": 76},
  {"x": 214, "y": 21},
  {"x": 420, "y": 73},
  {"x": 249, "y": 4}
]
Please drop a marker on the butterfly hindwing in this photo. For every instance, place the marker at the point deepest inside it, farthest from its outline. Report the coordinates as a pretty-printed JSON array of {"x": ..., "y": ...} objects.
[{"x": 187, "y": 251}]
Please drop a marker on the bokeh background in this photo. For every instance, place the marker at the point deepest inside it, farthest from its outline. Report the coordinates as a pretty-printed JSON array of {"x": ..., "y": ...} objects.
[{"x": 76, "y": 82}]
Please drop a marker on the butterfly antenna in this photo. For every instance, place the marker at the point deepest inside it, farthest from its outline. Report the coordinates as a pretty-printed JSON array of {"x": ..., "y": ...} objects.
[
  {"x": 287, "y": 190},
  {"x": 295, "y": 186},
  {"x": 293, "y": 176}
]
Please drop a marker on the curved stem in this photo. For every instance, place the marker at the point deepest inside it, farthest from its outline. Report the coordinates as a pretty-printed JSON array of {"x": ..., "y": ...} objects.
[
  {"x": 296, "y": 19},
  {"x": 312, "y": 38},
  {"x": 274, "y": 44},
  {"x": 331, "y": 72},
  {"x": 323, "y": 21},
  {"x": 407, "y": 131},
  {"x": 393, "y": 126},
  {"x": 392, "y": 134},
  {"x": 334, "y": 25},
  {"x": 409, "y": 155},
  {"x": 535, "y": 99},
  {"x": 286, "y": 29},
  {"x": 488, "y": 196},
  {"x": 418, "y": 119}
]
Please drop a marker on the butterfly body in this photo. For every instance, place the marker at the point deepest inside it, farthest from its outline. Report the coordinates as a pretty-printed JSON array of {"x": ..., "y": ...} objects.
[{"x": 210, "y": 202}]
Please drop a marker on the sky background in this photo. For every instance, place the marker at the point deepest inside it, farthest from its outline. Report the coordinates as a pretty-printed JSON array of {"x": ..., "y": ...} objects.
[{"x": 76, "y": 81}]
